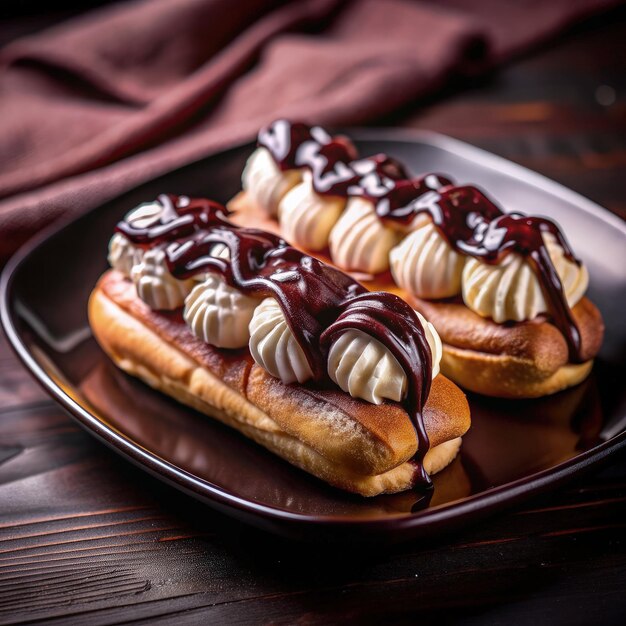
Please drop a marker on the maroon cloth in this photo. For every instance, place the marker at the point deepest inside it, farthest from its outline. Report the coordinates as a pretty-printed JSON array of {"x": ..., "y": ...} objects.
[{"x": 109, "y": 100}]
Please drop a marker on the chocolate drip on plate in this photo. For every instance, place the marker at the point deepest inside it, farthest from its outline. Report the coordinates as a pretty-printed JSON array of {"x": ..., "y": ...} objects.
[{"x": 369, "y": 312}]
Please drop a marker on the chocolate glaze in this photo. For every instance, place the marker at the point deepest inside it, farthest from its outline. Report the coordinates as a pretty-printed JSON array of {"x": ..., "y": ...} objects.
[
  {"x": 319, "y": 301},
  {"x": 181, "y": 216},
  {"x": 475, "y": 226},
  {"x": 398, "y": 203},
  {"x": 471, "y": 223},
  {"x": 336, "y": 171},
  {"x": 296, "y": 145},
  {"x": 370, "y": 313}
]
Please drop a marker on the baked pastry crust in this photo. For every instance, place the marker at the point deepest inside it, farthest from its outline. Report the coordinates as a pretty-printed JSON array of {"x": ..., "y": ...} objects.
[
  {"x": 512, "y": 360},
  {"x": 349, "y": 443},
  {"x": 519, "y": 360}
]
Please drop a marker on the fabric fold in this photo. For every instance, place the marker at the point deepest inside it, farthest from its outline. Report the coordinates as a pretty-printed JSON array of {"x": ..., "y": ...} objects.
[{"x": 104, "y": 102}]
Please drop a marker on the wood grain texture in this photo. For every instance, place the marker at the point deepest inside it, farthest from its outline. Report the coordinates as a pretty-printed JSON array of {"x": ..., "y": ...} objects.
[{"x": 86, "y": 538}]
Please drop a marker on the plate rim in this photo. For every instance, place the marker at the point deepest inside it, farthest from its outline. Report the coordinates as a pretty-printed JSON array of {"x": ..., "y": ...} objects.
[{"x": 437, "y": 518}]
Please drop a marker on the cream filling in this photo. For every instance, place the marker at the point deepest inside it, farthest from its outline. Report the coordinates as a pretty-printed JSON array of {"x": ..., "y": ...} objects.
[
  {"x": 306, "y": 218},
  {"x": 265, "y": 183},
  {"x": 425, "y": 265},
  {"x": 511, "y": 290},
  {"x": 360, "y": 240},
  {"x": 363, "y": 367}
]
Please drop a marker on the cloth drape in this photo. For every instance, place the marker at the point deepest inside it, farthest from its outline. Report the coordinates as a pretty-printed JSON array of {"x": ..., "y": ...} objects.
[{"x": 108, "y": 100}]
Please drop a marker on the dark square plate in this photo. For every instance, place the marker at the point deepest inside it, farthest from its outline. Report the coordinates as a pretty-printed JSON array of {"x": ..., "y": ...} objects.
[{"x": 514, "y": 449}]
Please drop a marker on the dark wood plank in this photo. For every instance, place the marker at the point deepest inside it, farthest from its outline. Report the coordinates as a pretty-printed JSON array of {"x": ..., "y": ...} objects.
[
  {"x": 16, "y": 385},
  {"x": 87, "y": 538}
]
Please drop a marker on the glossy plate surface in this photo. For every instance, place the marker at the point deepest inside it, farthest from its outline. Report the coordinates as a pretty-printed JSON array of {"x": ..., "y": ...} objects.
[{"x": 513, "y": 450}]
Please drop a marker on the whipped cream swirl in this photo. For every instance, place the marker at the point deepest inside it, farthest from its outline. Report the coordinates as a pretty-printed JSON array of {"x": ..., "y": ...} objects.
[
  {"x": 265, "y": 183},
  {"x": 122, "y": 253},
  {"x": 306, "y": 217},
  {"x": 218, "y": 313},
  {"x": 363, "y": 367},
  {"x": 424, "y": 264},
  {"x": 154, "y": 283},
  {"x": 510, "y": 290},
  {"x": 273, "y": 345},
  {"x": 360, "y": 240}
]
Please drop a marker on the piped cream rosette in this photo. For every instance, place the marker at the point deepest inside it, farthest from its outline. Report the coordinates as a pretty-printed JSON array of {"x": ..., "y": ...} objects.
[
  {"x": 510, "y": 290},
  {"x": 148, "y": 268},
  {"x": 265, "y": 183},
  {"x": 217, "y": 313},
  {"x": 306, "y": 217},
  {"x": 424, "y": 264},
  {"x": 154, "y": 283},
  {"x": 122, "y": 253},
  {"x": 359, "y": 364},
  {"x": 360, "y": 241},
  {"x": 273, "y": 345}
]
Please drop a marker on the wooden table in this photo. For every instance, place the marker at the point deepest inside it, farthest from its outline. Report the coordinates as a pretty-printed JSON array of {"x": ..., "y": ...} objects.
[{"x": 86, "y": 538}]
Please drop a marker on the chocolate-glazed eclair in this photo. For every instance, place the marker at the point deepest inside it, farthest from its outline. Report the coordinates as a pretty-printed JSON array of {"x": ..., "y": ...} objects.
[
  {"x": 504, "y": 291},
  {"x": 517, "y": 324},
  {"x": 294, "y": 353}
]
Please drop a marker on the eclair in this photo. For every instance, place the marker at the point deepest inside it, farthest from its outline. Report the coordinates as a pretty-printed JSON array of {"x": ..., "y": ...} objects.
[
  {"x": 504, "y": 290},
  {"x": 297, "y": 355}
]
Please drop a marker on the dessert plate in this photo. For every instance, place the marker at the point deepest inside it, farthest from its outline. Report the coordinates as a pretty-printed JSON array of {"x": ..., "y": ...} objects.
[{"x": 514, "y": 449}]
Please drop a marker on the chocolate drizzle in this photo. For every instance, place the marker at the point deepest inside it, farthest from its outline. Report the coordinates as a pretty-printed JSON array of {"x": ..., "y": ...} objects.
[
  {"x": 180, "y": 217},
  {"x": 471, "y": 223},
  {"x": 319, "y": 301},
  {"x": 264, "y": 265},
  {"x": 475, "y": 226},
  {"x": 369, "y": 312},
  {"x": 296, "y": 145},
  {"x": 335, "y": 170}
]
